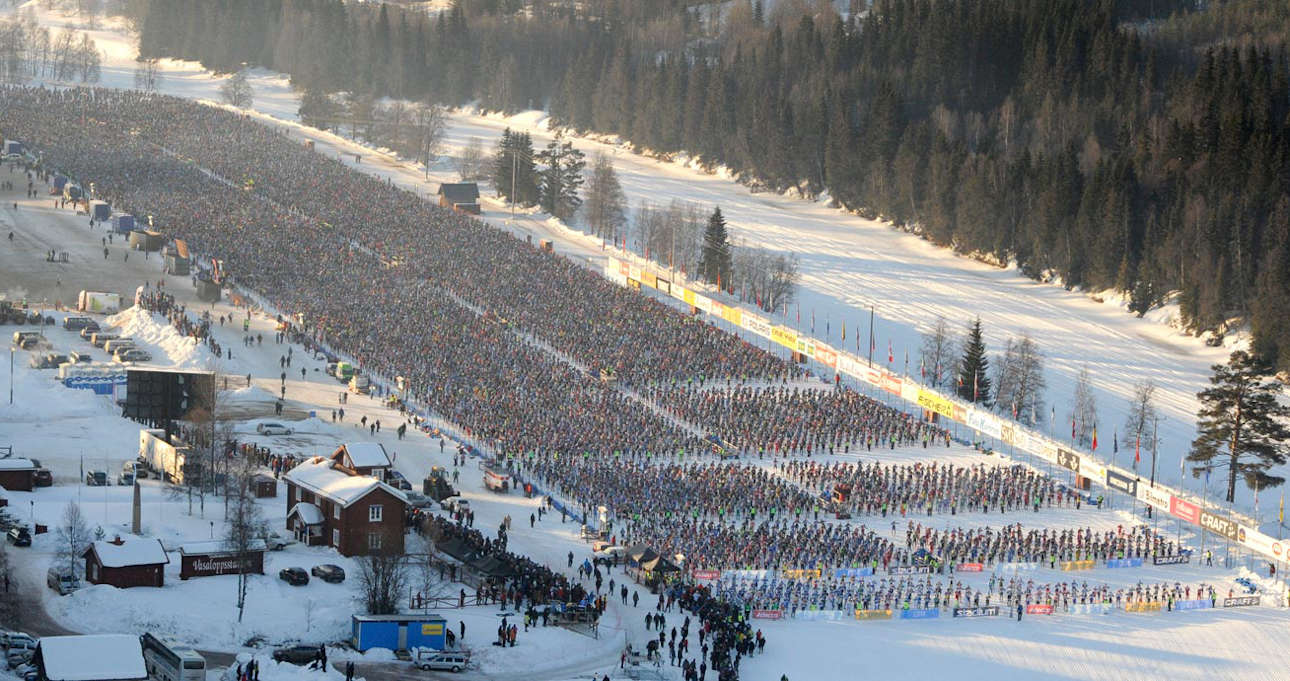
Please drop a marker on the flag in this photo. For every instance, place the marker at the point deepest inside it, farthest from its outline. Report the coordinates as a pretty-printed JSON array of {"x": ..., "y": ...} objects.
[
  {"x": 1281, "y": 512},
  {"x": 828, "y": 330},
  {"x": 922, "y": 368},
  {"x": 1115, "y": 441},
  {"x": 1072, "y": 428},
  {"x": 844, "y": 330},
  {"x": 1137, "y": 450},
  {"x": 1095, "y": 437},
  {"x": 974, "y": 375},
  {"x": 1014, "y": 411},
  {"x": 799, "y": 313},
  {"x": 890, "y": 358},
  {"x": 1256, "y": 497},
  {"x": 812, "y": 321}
]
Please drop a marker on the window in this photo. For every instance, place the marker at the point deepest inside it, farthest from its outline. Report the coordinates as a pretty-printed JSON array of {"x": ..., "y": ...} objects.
[
  {"x": 373, "y": 540},
  {"x": 335, "y": 511},
  {"x": 335, "y": 537},
  {"x": 374, "y": 513}
]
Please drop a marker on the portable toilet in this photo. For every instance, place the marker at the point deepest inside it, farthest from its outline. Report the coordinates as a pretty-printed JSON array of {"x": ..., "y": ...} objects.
[
  {"x": 123, "y": 223},
  {"x": 100, "y": 211},
  {"x": 399, "y": 632}
]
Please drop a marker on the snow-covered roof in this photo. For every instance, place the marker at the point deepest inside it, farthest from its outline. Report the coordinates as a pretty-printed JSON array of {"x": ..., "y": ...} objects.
[
  {"x": 309, "y": 513},
  {"x": 15, "y": 464},
  {"x": 318, "y": 476},
  {"x": 130, "y": 552},
  {"x": 367, "y": 454},
  {"x": 100, "y": 657},
  {"x": 202, "y": 548}
]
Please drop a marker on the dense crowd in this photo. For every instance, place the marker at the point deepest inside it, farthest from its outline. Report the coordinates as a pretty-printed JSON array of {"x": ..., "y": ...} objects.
[
  {"x": 874, "y": 488},
  {"x": 1012, "y": 544},
  {"x": 782, "y": 420}
]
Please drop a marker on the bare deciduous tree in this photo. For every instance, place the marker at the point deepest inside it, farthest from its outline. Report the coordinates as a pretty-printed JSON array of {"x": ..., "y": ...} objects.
[
  {"x": 245, "y": 525},
  {"x": 382, "y": 575},
  {"x": 1085, "y": 414},
  {"x": 236, "y": 91},
  {"x": 147, "y": 76},
  {"x": 1142, "y": 412},
  {"x": 1019, "y": 381},
  {"x": 939, "y": 353},
  {"x": 73, "y": 536},
  {"x": 605, "y": 208},
  {"x": 472, "y": 164}
]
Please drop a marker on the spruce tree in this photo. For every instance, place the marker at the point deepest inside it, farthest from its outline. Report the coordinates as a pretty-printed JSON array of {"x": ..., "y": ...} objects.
[
  {"x": 714, "y": 262},
  {"x": 1240, "y": 423},
  {"x": 974, "y": 367},
  {"x": 513, "y": 168},
  {"x": 561, "y": 179}
]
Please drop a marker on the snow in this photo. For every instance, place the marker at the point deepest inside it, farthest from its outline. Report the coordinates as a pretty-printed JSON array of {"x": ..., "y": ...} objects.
[
  {"x": 16, "y": 464},
  {"x": 202, "y": 548},
  {"x": 308, "y": 513},
  {"x": 367, "y": 454},
  {"x": 86, "y": 658},
  {"x": 319, "y": 476},
  {"x": 163, "y": 341},
  {"x": 130, "y": 552}
]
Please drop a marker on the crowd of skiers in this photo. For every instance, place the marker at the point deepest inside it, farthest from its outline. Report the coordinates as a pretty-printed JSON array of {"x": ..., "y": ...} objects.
[{"x": 1013, "y": 544}]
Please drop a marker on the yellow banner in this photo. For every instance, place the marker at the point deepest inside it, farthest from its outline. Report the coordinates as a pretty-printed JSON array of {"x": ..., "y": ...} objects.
[
  {"x": 784, "y": 336},
  {"x": 930, "y": 400},
  {"x": 873, "y": 614},
  {"x": 435, "y": 629},
  {"x": 1143, "y": 606},
  {"x": 688, "y": 296},
  {"x": 648, "y": 279},
  {"x": 808, "y": 573},
  {"x": 1068, "y": 565},
  {"x": 733, "y": 315}
]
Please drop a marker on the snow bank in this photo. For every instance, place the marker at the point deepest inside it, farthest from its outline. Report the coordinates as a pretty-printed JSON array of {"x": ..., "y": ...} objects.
[{"x": 152, "y": 333}]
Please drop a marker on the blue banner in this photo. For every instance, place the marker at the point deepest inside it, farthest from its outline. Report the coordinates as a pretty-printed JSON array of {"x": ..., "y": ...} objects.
[
  {"x": 1124, "y": 562},
  {"x": 1202, "y": 604},
  {"x": 923, "y": 614},
  {"x": 853, "y": 572}
]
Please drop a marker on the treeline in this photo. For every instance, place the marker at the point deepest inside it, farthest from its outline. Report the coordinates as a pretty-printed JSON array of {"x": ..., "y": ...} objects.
[{"x": 1087, "y": 141}]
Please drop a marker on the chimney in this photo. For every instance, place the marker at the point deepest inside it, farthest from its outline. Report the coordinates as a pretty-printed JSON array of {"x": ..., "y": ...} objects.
[{"x": 117, "y": 540}]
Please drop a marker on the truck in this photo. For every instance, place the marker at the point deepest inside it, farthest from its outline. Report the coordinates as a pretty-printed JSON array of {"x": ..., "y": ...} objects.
[
  {"x": 344, "y": 371},
  {"x": 360, "y": 384},
  {"x": 176, "y": 265},
  {"x": 59, "y": 181},
  {"x": 13, "y": 147},
  {"x": 123, "y": 223},
  {"x": 98, "y": 301},
  {"x": 496, "y": 480},
  {"x": 100, "y": 211}
]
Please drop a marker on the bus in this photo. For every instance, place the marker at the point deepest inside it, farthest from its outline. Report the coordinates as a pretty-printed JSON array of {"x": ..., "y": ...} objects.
[{"x": 168, "y": 660}]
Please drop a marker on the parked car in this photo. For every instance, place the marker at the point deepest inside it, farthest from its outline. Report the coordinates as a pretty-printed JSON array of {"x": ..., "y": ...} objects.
[
  {"x": 295, "y": 576},
  {"x": 19, "y": 536},
  {"x": 610, "y": 553},
  {"x": 397, "y": 481},
  {"x": 133, "y": 355},
  {"x": 96, "y": 478},
  {"x": 443, "y": 660},
  {"x": 49, "y": 360},
  {"x": 300, "y": 653},
  {"x": 80, "y": 357},
  {"x": 114, "y": 344},
  {"x": 19, "y": 655},
  {"x": 277, "y": 542},
  {"x": 89, "y": 330},
  {"x": 17, "y": 638},
  {"x": 125, "y": 479},
  {"x": 138, "y": 470},
  {"x": 99, "y": 339},
  {"x": 43, "y": 478},
  {"x": 418, "y": 500},
  {"x": 455, "y": 504},
  {"x": 76, "y": 322},
  {"x": 270, "y": 428},
  {"x": 33, "y": 341},
  {"x": 332, "y": 574},
  {"x": 62, "y": 580}
]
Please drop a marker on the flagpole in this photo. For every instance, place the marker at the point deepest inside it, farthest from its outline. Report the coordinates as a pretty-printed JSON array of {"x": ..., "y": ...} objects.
[{"x": 870, "y": 336}]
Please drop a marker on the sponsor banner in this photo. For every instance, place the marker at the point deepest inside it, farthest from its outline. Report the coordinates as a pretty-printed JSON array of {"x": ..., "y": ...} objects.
[
  {"x": 1184, "y": 509},
  {"x": 648, "y": 279},
  {"x": 909, "y": 391},
  {"x": 873, "y": 376},
  {"x": 826, "y": 355},
  {"x": 1198, "y": 604},
  {"x": 732, "y": 575},
  {"x": 849, "y": 365},
  {"x": 1039, "y": 609},
  {"x": 984, "y": 611},
  {"x": 678, "y": 291},
  {"x": 703, "y": 302},
  {"x": 1047, "y": 449},
  {"x": 757, "y": 324},
  {"x": 1007, "y": 433},
  {"x": 809, "y": 573},
  {"x": 1154, "y": 496},
  {"x": 959, "y": 413},
  {"x": 873, "y": 614},
  {"x": 1068, "y": 459},
  {"x": 1089, "y": 609},
  {"x": 891, "y": 383},
  {"x": 784, "y": 336},
  {"x": 635, "y": 273},
  {"x": 1092, "y": 470},
  {"x": 665, "y": 286},
  {"x": 733, "y": 315},
  {"x": 985, "y": 423},
  {"x": 1069, "y": 565},
  {"x": 920, "y": 614},
  {"x": 1124, "y": 562},
  {"x": 706, "y": 575},
  {"x": 718, "y": 310},
  {"x": 688, "y": 296},
  {"x": 1263, "y": 543},
  {"x": 1144, "y": 606},
  {"x": 1121, "y": 482},
  {"x": 909, "y": 570},
  {"x": 853, "y": 572},
  {"x": 934, "y": 402},
  {"x": 819, "y": 615},
  {"x": 767, "y": 614},
  {"x": 1014, "y": 567},
  {"x": 616, "y": 277},
  {"x": 806, "y": 346},
  {"x": 971, "y": 567},
  {"x": 1241, "y": 601},
  {"x": 1220, "y": 526},
  {"x": 1181, "y": 559}
]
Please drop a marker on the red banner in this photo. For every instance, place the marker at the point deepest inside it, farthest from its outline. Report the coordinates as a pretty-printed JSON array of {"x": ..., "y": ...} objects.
[
  {"x": 1039, "y": 609},
  {"x": 706, "y": 575},
  {"x": 1185, "y": 510},
  {"x": 767, "y": 614},
  {"x": 971, "y": 567}
]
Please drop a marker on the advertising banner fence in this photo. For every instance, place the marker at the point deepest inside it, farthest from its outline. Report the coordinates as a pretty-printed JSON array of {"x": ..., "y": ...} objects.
[
  {"x": 1197, "y": 604},
  {"x": 909, "y": 570},
  {"x": 1144, "y": 606},
  {"x": 767, "y": 614},
  {"x": 1039, "y": 609},
  {"x": 873, "y": 614},
  {"x": 1181, "y": 559},
  {"x": 1241, "y": 601},
  {"x": 1124, "y": 562},
  {"x": 1069, "y": 565},
  {"x": 983, "y": 611},
  {"x": 971, "y": 567},
  {"x": 920, "y": 614},
  {"x": 1089, "y": 609}
]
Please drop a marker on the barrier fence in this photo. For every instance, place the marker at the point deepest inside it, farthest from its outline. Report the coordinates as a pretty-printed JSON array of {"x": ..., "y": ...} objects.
[{"x": 842, "y": 363}]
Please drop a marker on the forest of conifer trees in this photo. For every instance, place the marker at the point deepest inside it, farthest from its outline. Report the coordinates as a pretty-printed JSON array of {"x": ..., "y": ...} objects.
[{"x": 1137, "y": 145}]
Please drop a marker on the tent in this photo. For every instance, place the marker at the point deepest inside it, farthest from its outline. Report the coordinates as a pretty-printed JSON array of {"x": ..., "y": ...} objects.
[
  {"x": 641, "y": 553},
  {"x": 491, "y": 566},
  {"x": 659, "y": 565}
]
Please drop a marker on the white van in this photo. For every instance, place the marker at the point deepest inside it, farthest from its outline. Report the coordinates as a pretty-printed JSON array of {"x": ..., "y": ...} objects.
[{"x": 444, "y": 660}]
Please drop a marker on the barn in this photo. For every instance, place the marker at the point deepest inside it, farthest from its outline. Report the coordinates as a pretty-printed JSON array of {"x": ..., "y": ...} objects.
[
  {"x": 17, "y": 474},
  {"x": 125, "y": 563}
]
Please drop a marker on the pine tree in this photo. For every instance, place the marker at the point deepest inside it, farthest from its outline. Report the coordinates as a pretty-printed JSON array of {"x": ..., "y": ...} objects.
[
  {"x": 974, "y": 367},
  {"x": 1240, "y": 413},
  {"x": 714, "y": 263},
  {"x": 561, "y": 179},
  {"x": 513, "y": 168}
]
